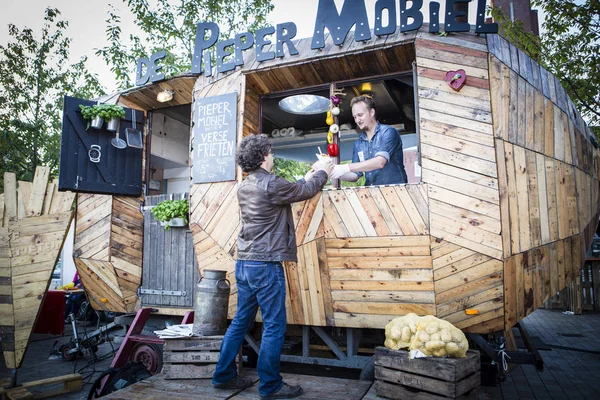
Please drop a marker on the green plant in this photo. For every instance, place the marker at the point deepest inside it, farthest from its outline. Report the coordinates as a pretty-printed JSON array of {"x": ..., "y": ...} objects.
[
  {"x": 169, "y": 209},
  {"x": 104, "y": 111}
]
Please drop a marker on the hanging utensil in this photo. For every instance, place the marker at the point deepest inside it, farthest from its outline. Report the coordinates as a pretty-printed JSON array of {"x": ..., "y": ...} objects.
[
  {"x": 117, "y": 141},
  {"x": 133, "y": 135}
]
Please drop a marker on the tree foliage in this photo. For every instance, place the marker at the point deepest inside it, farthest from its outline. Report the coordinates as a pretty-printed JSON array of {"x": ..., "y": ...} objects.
[
  {"x": 35, "y": 74},
  {"x": 171, "y": 27},
  {"x": 569, "y": 48}
]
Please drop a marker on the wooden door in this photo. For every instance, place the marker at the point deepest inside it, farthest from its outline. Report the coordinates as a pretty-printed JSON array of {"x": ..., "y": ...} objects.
[{"x": 170, "y": 269}]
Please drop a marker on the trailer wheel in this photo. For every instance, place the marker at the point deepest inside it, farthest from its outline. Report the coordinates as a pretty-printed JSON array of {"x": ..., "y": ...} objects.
[{"x": 150, "y": 355}]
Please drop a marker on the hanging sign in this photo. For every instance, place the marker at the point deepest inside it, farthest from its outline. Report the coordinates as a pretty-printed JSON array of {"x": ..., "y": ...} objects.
[
  {"x": 214, "y": 138},
  {"x": 230, "y": 52}
]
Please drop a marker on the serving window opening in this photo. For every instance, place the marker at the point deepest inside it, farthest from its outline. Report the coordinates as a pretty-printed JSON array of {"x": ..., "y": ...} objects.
[{"x": 295, "y": 121}]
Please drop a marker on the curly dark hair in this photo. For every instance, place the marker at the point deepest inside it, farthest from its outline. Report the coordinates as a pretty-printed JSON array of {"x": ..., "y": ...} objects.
[{"x": 252, "y": 152}]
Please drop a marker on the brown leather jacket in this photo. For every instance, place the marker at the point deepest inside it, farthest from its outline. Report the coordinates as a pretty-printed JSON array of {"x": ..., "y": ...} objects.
[{"x": 267, "y": 232}]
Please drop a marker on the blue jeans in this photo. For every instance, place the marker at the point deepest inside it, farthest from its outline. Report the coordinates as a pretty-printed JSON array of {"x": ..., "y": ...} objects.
[{"x": 259, "y": 284}]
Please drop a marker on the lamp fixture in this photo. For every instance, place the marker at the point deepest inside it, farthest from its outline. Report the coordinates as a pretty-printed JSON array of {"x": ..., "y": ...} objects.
[
  {"x": 165, "y": 95},
  {"x": 304, "y": 104},
  {"x": 366, "y": 88}
]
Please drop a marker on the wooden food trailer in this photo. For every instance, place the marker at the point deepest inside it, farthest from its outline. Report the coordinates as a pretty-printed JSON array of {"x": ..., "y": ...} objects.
[{"x": 500, "y": 208}]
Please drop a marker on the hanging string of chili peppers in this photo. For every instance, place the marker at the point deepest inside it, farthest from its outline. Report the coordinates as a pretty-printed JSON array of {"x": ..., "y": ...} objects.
[{"x": 334, "y": 110}]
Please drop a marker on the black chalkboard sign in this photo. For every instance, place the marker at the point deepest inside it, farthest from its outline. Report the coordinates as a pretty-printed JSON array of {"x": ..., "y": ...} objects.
[{"x": 214, "y": 141}]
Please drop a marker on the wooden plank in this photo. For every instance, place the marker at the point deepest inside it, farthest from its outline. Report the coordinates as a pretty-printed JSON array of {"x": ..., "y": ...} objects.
[
  {"x": 562, "y": 199},
  {"x": 466, "y": 216},
  {"x": 490, "y": 268},
  {"x": 366, "y": 274},
  {"x": 567, "y": 138},
  {"x": 460, "y": 304},
  {"x": 387, "y": 262},
  {"x": 529, "y": 117},
  {"x": 503, "y": 194},
  {"x": 462, "y": 201},
  {"x": 390, "y": 286},
  {"x": 463, "y": 264},
  {"x": 466, "y": 231},
  {"x": 470, "y": 163},
  {"x": 475, "y": 72},
  {"x": 385, "y": 211},
  {"x": 414, "y": 214},
  {"x": 23, "y": 198},
  {"x": 383, "y": 308},
  {"x": 571, "y": 204},
  {"x": 360, "y": 212},
  {"x": 10, "y": 198},
  {"x": 559, "y": 135},
  {"x": 471, "y": 114},
  {"x": 372, "y": 211},
  {"x": 475, "y": 108},
  {"x": 188, "y": 371},
  {"x": 398, "y": 210},
  {"x": 534, "y": 201},
  {"x": 378, "y": 252},
  {"x": 35, "y": 204},
  {"x": 303, "y": 287},
  {"x": 343, "y": 208},
  {"x": 315, "y": 222},
  {"x": 457, "y": 145},
  {"x": 324, "y": 282},
  {"x": 461, "y": 241},
  {"x": 510, "y": 293},
  {"x": 538, "y": 122},
  {"x": 384, "y": 296},
  {"x": 333, "y": 218},
  {"x": 521, "y": 111},
  {"x": 513, "y": 117},
  {"x": 543, "y": 199},
  {"x": 439, "y": 178},
  {"x": 522, "y": 197},
  {"x": 443, "y": 118},
  {"x": 190, "y": 357},
  {"x": 551, "y": 169},
  {"x": 311, "y": 265},
  {"x": 380, "y": 242},
  {"x": 548, "y": 128},
  {"x": 451, "y": 129}
]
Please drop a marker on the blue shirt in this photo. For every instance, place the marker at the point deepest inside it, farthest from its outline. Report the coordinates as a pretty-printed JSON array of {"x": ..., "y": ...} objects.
[{"x": 386, "y": 143}]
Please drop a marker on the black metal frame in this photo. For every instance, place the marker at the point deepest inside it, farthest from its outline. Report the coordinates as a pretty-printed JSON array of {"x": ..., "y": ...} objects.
[{"x": 531, "y": 356}]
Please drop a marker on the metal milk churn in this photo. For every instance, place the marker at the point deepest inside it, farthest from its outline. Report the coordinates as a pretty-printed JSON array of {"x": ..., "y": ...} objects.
[{"x": 212, "y": 302}]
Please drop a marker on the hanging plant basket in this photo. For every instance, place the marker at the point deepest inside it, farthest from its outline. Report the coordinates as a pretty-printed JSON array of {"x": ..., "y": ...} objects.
[
  {"x": 97, "y": 114},
  {"x": 175, "y": 223},
  {"x": 172, "y": 213},
  {"x": 112, "y": 124},
  {"x": 97, "y": 122}
]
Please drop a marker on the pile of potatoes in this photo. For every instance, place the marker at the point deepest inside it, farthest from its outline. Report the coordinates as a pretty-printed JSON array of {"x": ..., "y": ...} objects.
[{"x": 430, "y": 335}]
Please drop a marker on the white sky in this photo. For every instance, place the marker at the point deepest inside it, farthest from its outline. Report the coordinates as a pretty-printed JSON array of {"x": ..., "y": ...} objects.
[{"x": 87, "y": 22}]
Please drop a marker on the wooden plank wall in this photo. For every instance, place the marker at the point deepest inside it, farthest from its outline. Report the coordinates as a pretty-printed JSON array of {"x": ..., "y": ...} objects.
[
  {"x": 34, "y": 220},
  {"x": 459, "y": 167},
  {"x": 108, "y": 250},
  {"x": 549, "y": 179}
]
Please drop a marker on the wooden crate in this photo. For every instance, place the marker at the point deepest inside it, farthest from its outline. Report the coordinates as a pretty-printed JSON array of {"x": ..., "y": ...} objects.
[
  {"x": 397, "y": 377},
  {"x": 191, "y": 358}
]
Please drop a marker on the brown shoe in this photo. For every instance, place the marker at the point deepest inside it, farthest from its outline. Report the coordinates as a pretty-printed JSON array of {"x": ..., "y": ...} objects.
[
  {"x": 286, "y": 392},
  {"x": 238, "y": 382}
]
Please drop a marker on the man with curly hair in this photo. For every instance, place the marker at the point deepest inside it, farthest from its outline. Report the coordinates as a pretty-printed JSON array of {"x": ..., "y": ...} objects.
[{"x": 266, "y": 239}]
